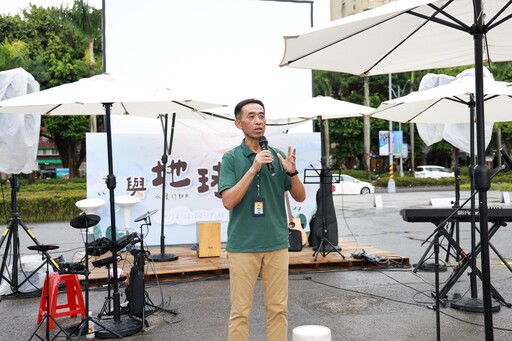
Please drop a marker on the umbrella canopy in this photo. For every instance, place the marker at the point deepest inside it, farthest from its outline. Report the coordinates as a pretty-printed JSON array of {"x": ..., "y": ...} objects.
[
  {"x": 295, "y": 111},
  {"x": 407, "y": 35},
  {"x": 87, "y": 96},
  {"x": 402, "y": 36},
  {"x": 106, "y": 94},
  {"x": 320, "y": 106},
  {"x": 449, "y": 103}
]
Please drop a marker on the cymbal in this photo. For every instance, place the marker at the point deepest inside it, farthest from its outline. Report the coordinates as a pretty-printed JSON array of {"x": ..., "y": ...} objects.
[
  {"x": 84, "y": 221},
  {"x": 42, "y": 247},
  {"x": 145, "y": 215}
]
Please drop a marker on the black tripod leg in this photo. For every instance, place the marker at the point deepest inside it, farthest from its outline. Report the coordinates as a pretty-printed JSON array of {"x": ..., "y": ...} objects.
[
  {"x": 451, "y": 230},
  {"x": 423, "y": 257},
  {"x": 501, "y": 257},
  {"x": 438, "y": 298},
  {"x": 6, "y": 252}
]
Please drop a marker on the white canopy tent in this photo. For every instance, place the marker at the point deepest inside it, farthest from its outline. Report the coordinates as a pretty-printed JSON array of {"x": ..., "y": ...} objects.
[{"x": 19, "y": 136}]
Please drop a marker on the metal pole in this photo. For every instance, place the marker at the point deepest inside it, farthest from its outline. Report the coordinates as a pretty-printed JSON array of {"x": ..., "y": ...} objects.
[{"x": 391, "y": 181}]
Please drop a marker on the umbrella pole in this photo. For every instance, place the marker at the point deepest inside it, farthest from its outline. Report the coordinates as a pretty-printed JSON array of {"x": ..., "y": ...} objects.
[
  {"x": 162, "y": 256},
  {"x": 481, "y": 172},
  {"x": 115, "y": 327},
  {"x": 473, "y": 303}
]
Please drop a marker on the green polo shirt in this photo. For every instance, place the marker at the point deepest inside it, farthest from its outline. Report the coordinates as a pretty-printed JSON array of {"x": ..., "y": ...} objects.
[{"x": 247, "y": 233}]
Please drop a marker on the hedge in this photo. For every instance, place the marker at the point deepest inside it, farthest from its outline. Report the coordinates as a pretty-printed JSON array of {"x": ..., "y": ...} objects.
[{"x": 45, "y": 200}]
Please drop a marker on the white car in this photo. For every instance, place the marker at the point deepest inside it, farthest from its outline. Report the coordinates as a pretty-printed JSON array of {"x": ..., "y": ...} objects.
[
  {"x": 350, "y": 185},
  {"x": 435, "y": 172}
]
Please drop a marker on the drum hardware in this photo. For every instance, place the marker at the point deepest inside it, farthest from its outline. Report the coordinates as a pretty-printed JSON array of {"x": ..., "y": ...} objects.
[
  {"x": 106, "y": 309},
  {"x": 72, "y": 268},
  {"x": 138, "y": 298},
  {"x": 43, "y": 249},
  {"x": 82, "y": 222},
  {"x": 99, "y": 247}
]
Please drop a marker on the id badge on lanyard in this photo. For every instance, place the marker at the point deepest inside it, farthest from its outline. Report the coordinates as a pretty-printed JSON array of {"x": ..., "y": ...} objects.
[{"x": 258, "y": 203}]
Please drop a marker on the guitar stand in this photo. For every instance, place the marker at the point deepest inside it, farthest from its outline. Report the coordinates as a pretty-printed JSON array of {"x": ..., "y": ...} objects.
[
  {"x": 11, "y": 233},
  {"x": 325, "y": 247},
  {"x": 47, "y": 316}
]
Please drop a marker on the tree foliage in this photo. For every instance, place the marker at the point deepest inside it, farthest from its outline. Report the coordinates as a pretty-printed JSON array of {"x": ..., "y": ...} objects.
[
  {"x": 347, "y": 133},
  {"x": 49, "y": 44}
]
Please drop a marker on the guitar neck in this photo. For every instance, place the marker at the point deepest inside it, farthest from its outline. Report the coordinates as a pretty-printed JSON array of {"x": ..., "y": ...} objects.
[{"x": 288, "y": 207}]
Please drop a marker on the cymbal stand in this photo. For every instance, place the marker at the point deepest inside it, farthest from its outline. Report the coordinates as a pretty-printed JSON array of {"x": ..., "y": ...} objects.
[
  {"x": 47, "y": 316},
  {"x": 84, "y": 324}
]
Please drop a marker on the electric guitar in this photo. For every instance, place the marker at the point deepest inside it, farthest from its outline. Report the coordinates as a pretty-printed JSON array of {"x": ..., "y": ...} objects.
[{"x": 295, "y": 223}]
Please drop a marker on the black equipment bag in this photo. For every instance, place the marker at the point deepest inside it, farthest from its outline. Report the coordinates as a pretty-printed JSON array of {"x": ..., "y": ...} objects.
[
  {"x": 324, "y": 202},
  {"x": 295, "y": 240}
]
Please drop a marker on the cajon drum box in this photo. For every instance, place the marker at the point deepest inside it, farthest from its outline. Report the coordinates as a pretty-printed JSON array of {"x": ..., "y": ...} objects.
[{"x": 208, "y": 239}]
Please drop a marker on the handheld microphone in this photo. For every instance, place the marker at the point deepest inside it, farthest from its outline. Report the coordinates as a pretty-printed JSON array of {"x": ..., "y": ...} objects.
[
  {"x": 264, "y": 145},
  {"x": 506, "y": 158}
]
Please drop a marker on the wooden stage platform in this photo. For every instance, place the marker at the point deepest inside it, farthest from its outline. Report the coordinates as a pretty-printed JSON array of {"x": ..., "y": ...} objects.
[{"x": 190, "y": 266}]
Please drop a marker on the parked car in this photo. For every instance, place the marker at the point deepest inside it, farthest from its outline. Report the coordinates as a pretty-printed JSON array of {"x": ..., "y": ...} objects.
[
  {"x": 49, "y": 174},
  {"x": 350, "y": 185},
  {"x": 435, "y": 172}
]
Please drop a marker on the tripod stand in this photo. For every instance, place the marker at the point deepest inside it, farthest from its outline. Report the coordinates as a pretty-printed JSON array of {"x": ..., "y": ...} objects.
[
  {"x": 323, "y": 177},
  {"x": 11, "y": 234},
  {"x": 47, "y": 316},
  {"x": 83, "y": 222}
]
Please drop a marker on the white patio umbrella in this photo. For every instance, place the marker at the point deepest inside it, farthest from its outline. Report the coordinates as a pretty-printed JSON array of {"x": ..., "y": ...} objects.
[
  {"x": 108, "y": 95},
  {"x": 88, "y": 96},
  {"x": 408, "y": 35},
  {"x": 449, "y": 103},
  {"x": 293, "y": 111},
  {"x": 402, "y": 36},
  {"x": 320, "y": 106}
]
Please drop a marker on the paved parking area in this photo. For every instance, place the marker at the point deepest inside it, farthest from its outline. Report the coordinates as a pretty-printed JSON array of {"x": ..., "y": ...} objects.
[{"x": 368, "y": 304}]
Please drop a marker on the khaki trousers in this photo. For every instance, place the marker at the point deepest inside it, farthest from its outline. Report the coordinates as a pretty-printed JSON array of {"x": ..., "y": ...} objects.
[{"x": 244, "y": 268}]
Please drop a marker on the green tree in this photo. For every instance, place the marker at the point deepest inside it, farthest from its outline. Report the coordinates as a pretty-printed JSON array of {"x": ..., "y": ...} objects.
[{"x": 58, "y": 53}]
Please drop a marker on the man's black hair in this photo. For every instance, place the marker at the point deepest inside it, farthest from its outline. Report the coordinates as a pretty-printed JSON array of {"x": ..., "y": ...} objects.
[{"x": 239, "y": 106}]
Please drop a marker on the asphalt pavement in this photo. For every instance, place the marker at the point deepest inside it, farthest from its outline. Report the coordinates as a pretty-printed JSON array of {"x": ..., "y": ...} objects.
[{"x": 392, "y": 303}]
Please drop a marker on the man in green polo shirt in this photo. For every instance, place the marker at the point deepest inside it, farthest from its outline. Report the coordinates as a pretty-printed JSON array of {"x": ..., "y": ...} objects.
[{"x": 258, "y": 227}]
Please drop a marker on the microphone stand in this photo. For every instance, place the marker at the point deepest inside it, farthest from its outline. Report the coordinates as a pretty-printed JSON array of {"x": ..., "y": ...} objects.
[{"x": 162, "y": 256}]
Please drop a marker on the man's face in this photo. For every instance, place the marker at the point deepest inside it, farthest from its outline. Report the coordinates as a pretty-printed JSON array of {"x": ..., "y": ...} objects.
[{"x": 252, "y": 120}]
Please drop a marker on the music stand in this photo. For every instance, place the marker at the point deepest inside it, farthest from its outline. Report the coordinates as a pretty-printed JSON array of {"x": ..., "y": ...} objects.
[
  {"x": 43, "y": 249},
  {"x": 11, "y": 233},
  {"x": 319, "y": 176}
]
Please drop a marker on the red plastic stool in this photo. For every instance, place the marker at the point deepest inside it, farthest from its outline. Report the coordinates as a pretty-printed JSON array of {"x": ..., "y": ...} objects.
[{"x": 75, "y": 303}]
